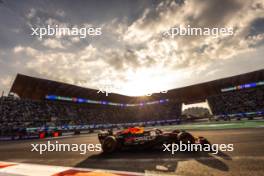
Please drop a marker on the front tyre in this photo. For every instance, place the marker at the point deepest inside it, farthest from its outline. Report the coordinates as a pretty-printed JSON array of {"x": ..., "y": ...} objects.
[{"x": 109, "y": 144}]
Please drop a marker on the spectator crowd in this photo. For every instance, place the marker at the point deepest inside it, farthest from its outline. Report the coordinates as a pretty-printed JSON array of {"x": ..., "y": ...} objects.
[
  {"x": 18, "y": 113},
  {"x": 240, "y": 101}
]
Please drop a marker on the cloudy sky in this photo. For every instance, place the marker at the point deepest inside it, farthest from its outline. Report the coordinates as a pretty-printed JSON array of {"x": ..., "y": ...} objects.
[{"x": 131, "y": 53}]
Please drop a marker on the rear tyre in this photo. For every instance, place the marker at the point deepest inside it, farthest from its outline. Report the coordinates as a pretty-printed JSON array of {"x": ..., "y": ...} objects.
[
  {"x": 109, "y": 144},
  {"x": 186, "y": 138}
]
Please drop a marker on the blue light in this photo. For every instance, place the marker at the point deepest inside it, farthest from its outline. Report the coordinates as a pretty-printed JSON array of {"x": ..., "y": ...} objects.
[
  {"x": 104, "y": 102},
  {"x": 83, "y": 100},
  {"x": 253, "y": 84},
  {"x": 242, "y": 86},
  {"x": 51, "y": 97},
  {"x": 80, "y": 100}
]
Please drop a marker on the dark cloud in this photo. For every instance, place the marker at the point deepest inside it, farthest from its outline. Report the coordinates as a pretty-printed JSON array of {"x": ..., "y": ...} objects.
[
  {"x": 257, "y": 27},
  {"x": 215, "y": 13}
]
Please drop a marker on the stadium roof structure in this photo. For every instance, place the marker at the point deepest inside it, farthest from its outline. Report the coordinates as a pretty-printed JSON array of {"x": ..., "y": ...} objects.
[{"x": 36, "y": 88}]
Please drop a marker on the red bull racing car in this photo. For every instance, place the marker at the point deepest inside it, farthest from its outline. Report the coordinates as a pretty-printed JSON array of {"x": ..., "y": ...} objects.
[{"x": 138, "y": 138}]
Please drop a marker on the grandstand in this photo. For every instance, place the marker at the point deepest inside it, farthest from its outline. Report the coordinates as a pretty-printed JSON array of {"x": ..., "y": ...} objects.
[
  {"x": 241, "y": 103},
  {"x": 45, "y": 103}
]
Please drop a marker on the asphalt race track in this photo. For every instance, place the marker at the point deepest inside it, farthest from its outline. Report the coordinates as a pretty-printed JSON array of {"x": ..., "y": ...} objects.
[{"x": 246, "y": 159}]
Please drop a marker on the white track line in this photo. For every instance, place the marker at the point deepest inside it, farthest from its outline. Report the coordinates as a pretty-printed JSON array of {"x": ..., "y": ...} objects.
[{"x": 21, "y": 169}]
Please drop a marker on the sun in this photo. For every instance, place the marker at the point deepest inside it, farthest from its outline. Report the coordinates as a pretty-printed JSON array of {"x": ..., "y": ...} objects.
[{"x": 144, "y": 81}]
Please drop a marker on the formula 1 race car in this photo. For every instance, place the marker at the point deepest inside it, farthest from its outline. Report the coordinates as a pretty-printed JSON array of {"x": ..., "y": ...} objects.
[{"x": 138, "y": 138}]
